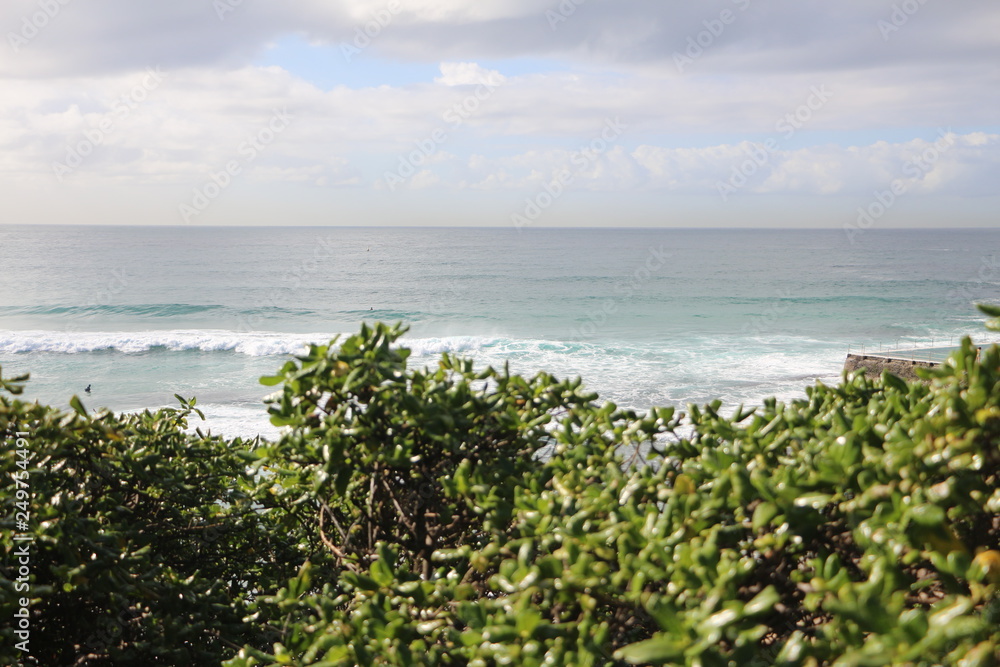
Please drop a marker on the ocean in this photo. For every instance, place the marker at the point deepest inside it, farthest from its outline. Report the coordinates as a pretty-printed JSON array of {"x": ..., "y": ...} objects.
[{"x": 644, "y": 316}]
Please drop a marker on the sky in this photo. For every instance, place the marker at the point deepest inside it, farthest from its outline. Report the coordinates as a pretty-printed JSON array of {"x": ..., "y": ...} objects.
[{"x": 520, "y": 113}]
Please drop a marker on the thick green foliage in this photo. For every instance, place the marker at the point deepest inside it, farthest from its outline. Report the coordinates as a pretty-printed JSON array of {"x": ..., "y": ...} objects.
[
  {"x": 453, "y": 516},
  {"x": 423, "y": 460},
  {"x": 147, "y": 548},
  {"x": 842, "y": 527}
]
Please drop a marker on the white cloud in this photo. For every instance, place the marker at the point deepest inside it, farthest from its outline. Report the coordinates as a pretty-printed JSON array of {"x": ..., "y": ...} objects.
[
  {"x": 764, "y": 35},
  {"x": 195, "y": 122},
  {"x": 440, "y": 11},
  {"x": 922, "y": 166},
  {"x": 424, "y": 179},
  {"x": 687, "y": 130},
  {"x": 468, "y": 74}
]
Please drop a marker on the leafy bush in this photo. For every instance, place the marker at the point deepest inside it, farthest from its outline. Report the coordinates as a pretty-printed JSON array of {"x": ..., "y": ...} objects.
[
  {"x": 859, "y": 524},
  {"x": 147, "y": 546},
  {"x": 454, "y": 516}
]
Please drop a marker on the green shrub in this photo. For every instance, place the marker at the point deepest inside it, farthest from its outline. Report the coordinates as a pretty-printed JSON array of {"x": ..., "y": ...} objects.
[
  {"x": 473, "y": 517},
  {"x": 146, "y": 546},
  {"x": 841, "y": 527}
]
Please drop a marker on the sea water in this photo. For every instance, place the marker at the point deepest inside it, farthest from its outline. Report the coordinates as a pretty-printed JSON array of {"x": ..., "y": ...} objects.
[{"x": 644, "y": 316}]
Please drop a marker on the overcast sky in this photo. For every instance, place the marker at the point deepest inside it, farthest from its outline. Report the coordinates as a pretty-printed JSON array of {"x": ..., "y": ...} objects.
[{"x": 872, "y": 113}]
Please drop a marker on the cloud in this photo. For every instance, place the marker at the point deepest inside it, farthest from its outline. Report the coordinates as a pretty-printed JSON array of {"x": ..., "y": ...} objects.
[
  {"x": 94, "y": 38},
  {"x": 699, "y": 86},
  {"x": 196, "y": 120},
  {"x": 468, "y": 74},
  {"x": 930, "y": 167}
]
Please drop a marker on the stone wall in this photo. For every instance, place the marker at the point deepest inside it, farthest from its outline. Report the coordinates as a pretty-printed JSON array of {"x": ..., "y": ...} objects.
[{"x": 873, "y": 366}]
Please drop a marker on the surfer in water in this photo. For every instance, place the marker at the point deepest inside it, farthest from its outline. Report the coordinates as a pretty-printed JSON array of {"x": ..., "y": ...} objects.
[{"x": 87, "y": 389}]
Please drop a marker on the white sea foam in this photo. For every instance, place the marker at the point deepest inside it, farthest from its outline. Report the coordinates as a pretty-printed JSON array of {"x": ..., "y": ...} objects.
[
  {"x": 235, "y": 420},
  {"x": 435, "y": 346},
  {"x": 253, "y": 344},
  {"x": 256, "y": 344},
  {"x": 634, "y": 374}
]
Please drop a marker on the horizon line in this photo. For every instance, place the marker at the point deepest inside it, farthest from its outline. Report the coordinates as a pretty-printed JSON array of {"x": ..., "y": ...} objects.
[{"x": 490, "y": 227}]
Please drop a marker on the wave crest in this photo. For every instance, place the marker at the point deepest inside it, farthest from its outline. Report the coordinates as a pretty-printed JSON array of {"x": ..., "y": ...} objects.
[
  {"x": 258, "y": 344},
  {"x": 252, "y": 344}
]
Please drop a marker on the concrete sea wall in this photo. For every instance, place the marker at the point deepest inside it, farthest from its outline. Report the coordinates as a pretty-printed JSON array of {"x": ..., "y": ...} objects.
[{"x": 873, "y": 366}]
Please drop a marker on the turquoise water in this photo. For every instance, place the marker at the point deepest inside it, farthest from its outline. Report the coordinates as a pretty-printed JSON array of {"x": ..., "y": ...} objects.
[{"x": 644, "y": 316}]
